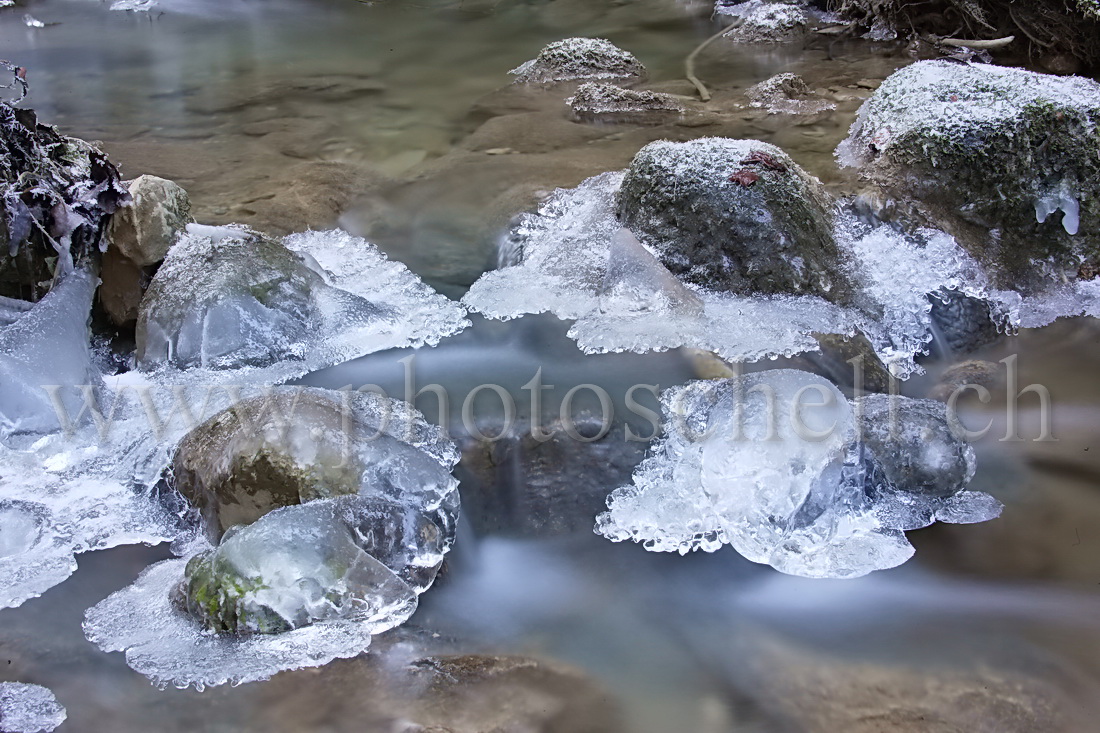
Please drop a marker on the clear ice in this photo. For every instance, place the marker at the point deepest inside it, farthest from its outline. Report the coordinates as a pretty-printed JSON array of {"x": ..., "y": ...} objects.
[
  {"x": 303, "y": 584},
  {"x": 771, "y": 463},
  {"x": 28, "y": 709},
  {"x": 229, "y": 305}
]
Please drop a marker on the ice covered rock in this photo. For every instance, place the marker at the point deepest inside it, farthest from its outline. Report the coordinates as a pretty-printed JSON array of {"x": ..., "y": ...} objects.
[
  {"x": 1004, "y": 159},
  {"x": 316, "y": 577},
  {"x": 920, "y": 466},
  {"x": 734, "y": 215},
  {"x": 56, "y": 196},
  {"x": 602, "y": 102},
  {"x": 230, "y": 299},
  {"x": 766, "y": 21},
  {"x": 47, "y": 347},
  {"x": 962, "y": 324},
  {"x": 28, "y": 709},
  {"x": 771, "y": 464},
  {"x": 787, "y": 94},
  {"x": 292, "y": 568},
  {"x": 296, "y": 444},
  {"x": 575, "y": 59}
]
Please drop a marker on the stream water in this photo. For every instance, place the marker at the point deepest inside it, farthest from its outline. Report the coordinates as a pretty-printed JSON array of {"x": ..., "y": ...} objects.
[{"x": 289, "y": 114}]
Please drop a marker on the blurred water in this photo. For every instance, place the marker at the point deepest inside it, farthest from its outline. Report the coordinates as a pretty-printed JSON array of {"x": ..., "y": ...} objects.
[{"x": 985, "y": 618}]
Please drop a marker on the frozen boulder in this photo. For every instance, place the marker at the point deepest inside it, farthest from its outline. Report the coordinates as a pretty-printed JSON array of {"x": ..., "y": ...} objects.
[
  {"x": 602, "y": 102},
  {"x": 766, "y": 21},
  {"x": 56, "y": 196},
  {"x": 787, "y": 94},
  {"x": 296, "y": 445},
  {"x": 734, "y": 215},
  {"x": 771, "y": 463},
  {"x": 1006, "y": 160},
  {"x": 227, "y": 298},
  {"x": 292, "y": 568},
  {"x": 28, "y": 708},
  {"x": 580, "y": 59}
]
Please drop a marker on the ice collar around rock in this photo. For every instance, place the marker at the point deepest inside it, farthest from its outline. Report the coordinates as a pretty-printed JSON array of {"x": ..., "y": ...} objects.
[
  {"x": 579, "y": 59},
  {"x": 773, "y": 464}
]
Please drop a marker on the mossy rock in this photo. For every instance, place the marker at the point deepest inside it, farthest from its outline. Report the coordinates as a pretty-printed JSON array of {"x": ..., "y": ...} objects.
[
  {"x": 734, "y": 215},
  {"x": 1006, "y": 160}
]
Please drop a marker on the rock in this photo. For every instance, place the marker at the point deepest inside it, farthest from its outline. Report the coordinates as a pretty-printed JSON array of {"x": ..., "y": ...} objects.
[
  {"x": 294, "y": 567},
  {"x": 914, "y": 447},
  {"x": 986, "y": 374},
  {"x": 320, "y": 510},
  {"x": 122, "y": 285},
  {"x": 226, "y": 298},
  {"x": 440, "y": 693},
  {"x": 294, "y": 446},
  {"x": 600, "y": 102},
  {"x": 766, "y": 21},
  {"x": 579, "y": 59},
  {"x": 1004, "y": 159},
  {"x": 520, "y": 486},
  {"x": 787, "y": 94},
  {"x": 145, "y": 231},
  {"x": 56, "y": 196},
  {"x": 734, "y": 215},
  {"x": 962, "y": 324}
]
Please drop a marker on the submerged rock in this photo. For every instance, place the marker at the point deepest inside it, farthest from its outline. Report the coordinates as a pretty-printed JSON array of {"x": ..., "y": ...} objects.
[
  {"x": 787, "y": 94},
  {"x": 734, "y": 215},
  {"x": 522, "y": 486},
  {"x": 56, "y": 197},
  {"x": 575, "y": 59},
  {"x": 226, "y": 298},
  {"x": 292, "y": 568},
  {"x": 1004, "y": 159},
  {"x": 600, "y": 102}
]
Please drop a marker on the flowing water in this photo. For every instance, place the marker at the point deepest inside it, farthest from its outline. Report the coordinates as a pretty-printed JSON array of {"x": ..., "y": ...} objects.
[{"x": 388, "y": 118}]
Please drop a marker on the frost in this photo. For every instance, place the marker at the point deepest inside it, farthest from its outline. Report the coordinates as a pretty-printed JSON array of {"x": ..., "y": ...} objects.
[
  {"x": 786, "y": 94},
  {"x": 134, "y": 5},
  {"x": 579, "y": 58},
  {"x": 28, "y": 709},
  {"x": 766, "y": 21},
  {"x": 229, "y": 306},
  {"x": 601, "y": 101},
  {"x": 771, "y": 463}
]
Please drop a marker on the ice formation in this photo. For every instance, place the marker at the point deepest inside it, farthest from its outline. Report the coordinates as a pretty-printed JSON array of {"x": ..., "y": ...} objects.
[
  {"x": 575, "y": 59},
  {"x": 229, "y": 305},
  {"x": 1061, "y": 199},
  {"x": 772, "y": 464},
  {"x": 305, "y": 583},
  {"x": 575, "y": 260},
  {"x": 28, "y": 709}
]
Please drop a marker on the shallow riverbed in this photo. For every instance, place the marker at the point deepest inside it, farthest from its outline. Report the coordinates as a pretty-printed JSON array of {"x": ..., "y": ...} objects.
[{"x": 389, "y": 119}]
